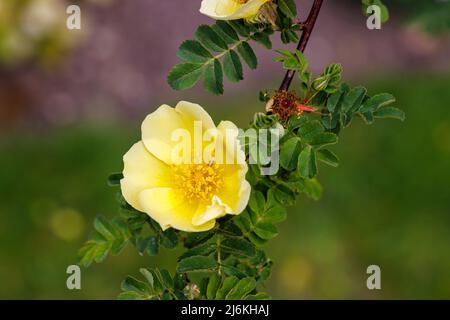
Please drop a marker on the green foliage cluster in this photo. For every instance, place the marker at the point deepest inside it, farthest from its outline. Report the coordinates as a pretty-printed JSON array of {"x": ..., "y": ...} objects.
[
  {"x": 223, "y": 251},
  {"x": 220, "y": 48},
  {"x": 230, "y": 257},
  {"x": 216, "y": 50}
]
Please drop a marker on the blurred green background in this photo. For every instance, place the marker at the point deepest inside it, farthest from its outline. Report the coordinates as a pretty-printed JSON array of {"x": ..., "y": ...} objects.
[{"x": 388, "y": 203}]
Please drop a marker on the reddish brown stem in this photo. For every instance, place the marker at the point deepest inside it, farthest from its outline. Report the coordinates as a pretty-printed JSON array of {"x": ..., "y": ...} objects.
[{"x": 307, "y": 29}]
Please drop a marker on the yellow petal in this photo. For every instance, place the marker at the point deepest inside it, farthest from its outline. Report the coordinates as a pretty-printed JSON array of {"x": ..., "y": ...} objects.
[
  {"x": 230, "y": 10},
  {"x": 157, "y": 131},
  {"x": 235, "y": 192},
  {"x": 234, "y": 153},
  {"x": 226, "y": 7},
  {"x": 142, "y": 171},
  {"x": 167, "y": 207},
  {"x": 159, "y": 127},
  {"x": 206, "y": 213},
  {"x": 194, "y": 112}
]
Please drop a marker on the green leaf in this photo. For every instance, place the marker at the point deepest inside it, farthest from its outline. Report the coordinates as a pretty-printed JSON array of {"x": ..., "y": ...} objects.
[
  {"x": 333, "y": 101},
  {"x": 307, "y": 163},
  {"x": 233, "y": 66},
  {"x": 159, "y": 286},
  {"x": 185, "y": 75},
  {"x": 135, "y": 220},
  {"x": 258, "y": 241},
  {"x": 313, "y": 188},
  {"x": 352, "y": 101},
  {"x": 292, "y": 60},
  {"x": 232, "y": 271},
  {"x": 149, "y": 245},
  {"x": 104, "y": 228},
  {"x": 288, "y": 8},
  {"x": 256, "y": 201},
  {"x": 227, "y": 284},
  {"x": 320, "y": 83},
  {"x": 241, "y": 289},
  {"x": 376, "y": 102},
  {"x": 108, "y": 237},
  {"x": 266, "y": 230},
  {"x": 263, "y": 39},
  {"x": 226, "y": 31},
  {"x": 292, "y": 36},
  {"x": 283, "y": 194},
  {"x": 289, "y": 153},
  {"x": 210, "y": 39},
  {"x": 333, "y": 74},
  {"x": 309, "y": 130},
  {"x": 132, "y": 284},
  {"x": 296, "y": 122},
  {"x": 275, "y": 213},
  {"x": 213, "y": 285},
  {"x": 203, "y": 250},
  {"x": 328, "y": 157},
  {"x": 248, "y": 55},
  {"x": 114, "y": 179},
  {"x": 367, "y": 117},
  {"x": 93, "y": 251},
  {"x": 238, "y": 247},
  {"x": 164, "y": 278},
  {"x": 323, "y": 139},
  {"x": 196, "y": 263},
  {"x": 390, "y": 112},
  {"x": 239, "y": 27},
  {"x": 148, "y": 276},
  {"x": 169, "y": 238},
  {"x": 194, "y": 239},
  {"x": 214, "y": 78},
  {"x": 258, "y": 296},
  {"x": 132, "y": 295},
  {"x": 192, "y": 51}
]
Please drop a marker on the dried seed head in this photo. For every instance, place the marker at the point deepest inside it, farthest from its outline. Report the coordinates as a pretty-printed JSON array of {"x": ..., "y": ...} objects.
[{"x": 284, "y": 105}]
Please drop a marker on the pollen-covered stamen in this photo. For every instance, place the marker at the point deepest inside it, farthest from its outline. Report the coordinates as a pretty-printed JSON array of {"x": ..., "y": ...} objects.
[
  {"x": 198, "y": 181},
  {"x": 241, "y": 1}
]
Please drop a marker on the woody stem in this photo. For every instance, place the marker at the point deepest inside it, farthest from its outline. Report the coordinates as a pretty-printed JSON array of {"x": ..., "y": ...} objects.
[{"x": 307, "y": 29}]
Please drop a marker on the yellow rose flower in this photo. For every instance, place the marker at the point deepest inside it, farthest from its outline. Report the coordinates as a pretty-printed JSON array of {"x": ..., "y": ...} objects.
[
  {"x": 185, "y": 195},
  {"x": 231, "y": 9}
]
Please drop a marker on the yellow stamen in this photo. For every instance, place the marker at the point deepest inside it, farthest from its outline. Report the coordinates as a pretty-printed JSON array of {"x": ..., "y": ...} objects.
[{"x": 198, "y": 181}]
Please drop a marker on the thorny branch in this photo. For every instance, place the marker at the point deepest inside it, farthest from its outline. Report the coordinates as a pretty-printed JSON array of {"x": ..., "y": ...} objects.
[{"x": 307, "y": 29}]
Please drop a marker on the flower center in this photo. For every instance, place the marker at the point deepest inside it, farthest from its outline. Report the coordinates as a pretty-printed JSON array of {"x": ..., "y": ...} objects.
[
  {"x": 241, "y": 1},
  {"x": 198, "y": 181}
]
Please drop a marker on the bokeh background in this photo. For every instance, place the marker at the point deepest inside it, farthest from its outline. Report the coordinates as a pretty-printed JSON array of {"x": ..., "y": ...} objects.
[{"x": 71, "y": 103}]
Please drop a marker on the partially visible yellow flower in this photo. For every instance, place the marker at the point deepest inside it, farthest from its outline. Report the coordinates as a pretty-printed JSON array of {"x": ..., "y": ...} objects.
[
  {"x": 185, "y": 195},
  {"x": 231, "y": 9}
]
